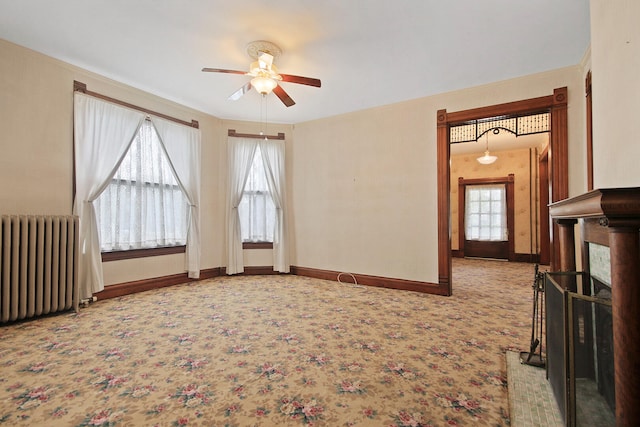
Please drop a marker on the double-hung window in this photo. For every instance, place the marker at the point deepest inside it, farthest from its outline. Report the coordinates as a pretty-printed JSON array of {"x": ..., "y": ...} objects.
[
  {"x": 256, "y": 202},
  {"x": 256, "y": 209},
  {"x": 143, "y": 206}
]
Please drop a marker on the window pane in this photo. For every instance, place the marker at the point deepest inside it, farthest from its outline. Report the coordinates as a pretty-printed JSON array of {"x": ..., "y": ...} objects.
[
  {"x": 143, "y": 206},
  {"x": 256, "y": 209},
  {"x": 485, "y": 212}
]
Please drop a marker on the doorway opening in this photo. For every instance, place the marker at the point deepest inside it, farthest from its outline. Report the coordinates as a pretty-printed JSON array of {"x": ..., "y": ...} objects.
[{"x": 558, "y": 187}]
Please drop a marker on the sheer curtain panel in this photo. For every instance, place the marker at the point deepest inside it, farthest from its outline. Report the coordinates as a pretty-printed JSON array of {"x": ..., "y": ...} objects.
[
  {"x": 182, "y": 146},
  {"x": 256, "y": 209},
  {"x": 143, "y": 206},
  {"x": 273, "y": 159},
  {"x": 103, "y": 133},
  {"x": 240, "y": 156}
]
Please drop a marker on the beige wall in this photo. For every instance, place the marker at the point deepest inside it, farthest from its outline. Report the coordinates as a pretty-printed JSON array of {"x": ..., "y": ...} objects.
[
  {"x": 36, "y": 164},
  {"x": 615, "y": 62},
  {"x": 362, "y": 186},
  {"x": 522, "y": 164}
]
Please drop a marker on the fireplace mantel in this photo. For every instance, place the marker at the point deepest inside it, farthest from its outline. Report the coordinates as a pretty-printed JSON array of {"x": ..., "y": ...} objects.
[
  {"x": 618, "y": 214},
  {"x": 618, "y": 205}
]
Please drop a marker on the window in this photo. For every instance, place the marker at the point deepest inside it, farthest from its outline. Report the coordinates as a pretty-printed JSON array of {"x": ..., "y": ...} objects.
[
  {"x": 486, "y": 213},
  {"x": 143, "y": 206},
  {"x": 256, "y": 209}
]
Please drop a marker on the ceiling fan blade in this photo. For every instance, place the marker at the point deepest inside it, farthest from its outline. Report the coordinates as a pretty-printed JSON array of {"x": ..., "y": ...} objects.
[
  {"x": 265, "y": 60},
  {"x": 301, "y": 80},
  {"x": 284, "y": 97},
  {"x": 221, "y": 70},
  {"x": 237, "y": 94}
]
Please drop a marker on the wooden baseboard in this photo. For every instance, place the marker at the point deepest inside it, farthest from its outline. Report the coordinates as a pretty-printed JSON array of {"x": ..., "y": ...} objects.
[
  {"x": 364, "y": 279},
  {"x": 252, "y": 271},
  {"x": 532, "y": 258},
  {"x": 120, "y": 289}
]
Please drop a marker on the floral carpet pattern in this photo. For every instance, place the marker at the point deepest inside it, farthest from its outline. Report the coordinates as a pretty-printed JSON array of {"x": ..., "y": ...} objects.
[{"x": 274, "y": 351}]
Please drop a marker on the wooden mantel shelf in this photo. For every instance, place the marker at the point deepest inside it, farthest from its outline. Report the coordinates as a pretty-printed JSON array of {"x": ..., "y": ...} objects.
[
  {"x": 619, "y": 212},
  {"x": 615, "y": 204}
]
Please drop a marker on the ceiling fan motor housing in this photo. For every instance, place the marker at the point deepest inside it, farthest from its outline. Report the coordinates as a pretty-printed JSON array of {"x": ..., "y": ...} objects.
[{"x": 254, "y": 48}]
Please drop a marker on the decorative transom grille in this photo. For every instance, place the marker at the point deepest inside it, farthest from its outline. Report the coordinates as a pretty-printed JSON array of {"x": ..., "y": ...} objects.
[{"x": 520, "y": 125}]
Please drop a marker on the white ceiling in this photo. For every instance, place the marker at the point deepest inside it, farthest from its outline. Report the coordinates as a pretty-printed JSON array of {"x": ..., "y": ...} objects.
[{"x": 366, "y": 52}]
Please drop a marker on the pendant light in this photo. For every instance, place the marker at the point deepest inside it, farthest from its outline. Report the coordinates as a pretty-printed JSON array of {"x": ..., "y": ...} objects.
[{"x": 487, "y": 159}]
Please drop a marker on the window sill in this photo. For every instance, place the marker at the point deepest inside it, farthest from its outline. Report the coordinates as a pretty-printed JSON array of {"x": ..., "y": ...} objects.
[
  {"x": 141, "y": 253},
  {"x": 257, "y": 245}
]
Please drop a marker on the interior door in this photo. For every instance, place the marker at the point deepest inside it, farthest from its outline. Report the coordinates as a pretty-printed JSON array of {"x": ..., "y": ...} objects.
[{"x": 486, "y": 218}]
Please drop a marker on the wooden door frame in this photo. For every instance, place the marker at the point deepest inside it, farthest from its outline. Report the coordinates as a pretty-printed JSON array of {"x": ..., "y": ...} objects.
[
  {"x": 555, "y": 104},
  {"x": 543, "y": 174},
  {"x": 508, "y": 182}
]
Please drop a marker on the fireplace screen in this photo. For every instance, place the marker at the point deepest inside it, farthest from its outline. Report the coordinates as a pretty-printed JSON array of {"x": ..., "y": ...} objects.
[{"x": 580, "y": 348}]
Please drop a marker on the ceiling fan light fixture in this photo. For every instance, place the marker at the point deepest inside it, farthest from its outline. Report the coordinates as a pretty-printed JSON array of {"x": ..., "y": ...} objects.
[
  {"x": 264, "y": 85},
  {"x": 264, "y": 74}
]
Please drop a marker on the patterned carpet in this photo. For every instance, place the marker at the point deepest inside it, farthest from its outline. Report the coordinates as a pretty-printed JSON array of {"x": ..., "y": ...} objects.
[{"x": 274, "y": 350}]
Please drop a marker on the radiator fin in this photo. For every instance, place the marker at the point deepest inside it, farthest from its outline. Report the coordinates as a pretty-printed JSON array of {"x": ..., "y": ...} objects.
[{"x": 38, "y": 265}]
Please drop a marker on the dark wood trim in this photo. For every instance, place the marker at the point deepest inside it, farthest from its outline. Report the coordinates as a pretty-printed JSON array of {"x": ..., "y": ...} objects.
[
  {"x": 559, "y": 163},
  {"x": 509, "y": 182},
  {"x": 482, "y": 181},
  {"x": 444, "y": 203},
  {"x": 556, "y": 104},
  {"x": 82, "y": 87},
  {"x": 120, "y": 289},
  {"x": 620, "y": 206},
  {"x": 515, "y": 108},
  {"x": 142, "y": 253},
  {"x": 253, "y": 271},
  {"x": 367, "y": 280},
  {"x": 257, "y": 245},
  {"x": 462, "y": 206},
  {"x": 545, "y": 224},
  {"x": 593, "y": 231},
  {"x": 233, "y": 133},
  {"x": 566, "y": 239},
  {"x": 589, "y": 101},
  {"x": 529, "y": 258}
]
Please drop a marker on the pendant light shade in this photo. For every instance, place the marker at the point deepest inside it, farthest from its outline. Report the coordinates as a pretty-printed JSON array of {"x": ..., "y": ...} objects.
[{"x": 487, "y": 159}]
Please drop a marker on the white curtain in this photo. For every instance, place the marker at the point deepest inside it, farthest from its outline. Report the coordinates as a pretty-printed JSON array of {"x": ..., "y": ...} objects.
[
  {"x": 102, "y": 135},
  {"x": 256, "y": 209},
  {"x": 143, "y": 206},
  {"x": 182, "y": 146},
  {"x": 273, "y": 159},
  {"x": 240, "y": 156}
]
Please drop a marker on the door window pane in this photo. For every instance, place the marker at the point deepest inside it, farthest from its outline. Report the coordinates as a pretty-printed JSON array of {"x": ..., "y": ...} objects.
[{"x": 486, "y": 212}]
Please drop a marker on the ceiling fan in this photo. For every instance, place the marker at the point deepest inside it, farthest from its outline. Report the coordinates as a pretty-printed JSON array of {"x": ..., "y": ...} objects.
[{"x": 265, "y": 76}]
